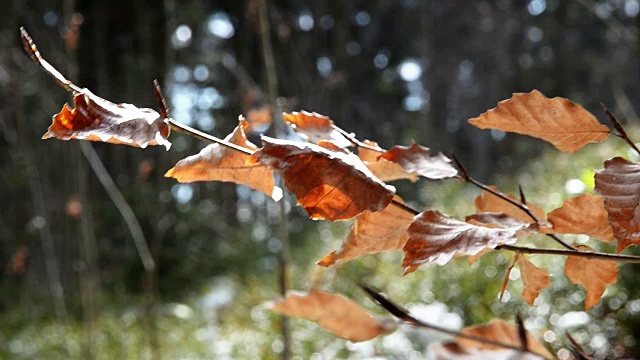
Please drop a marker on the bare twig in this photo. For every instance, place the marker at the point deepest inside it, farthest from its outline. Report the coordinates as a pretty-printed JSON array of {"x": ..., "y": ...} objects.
[
  {"x": 279, "y": 131},
  {"x": 121, "y": 204},
  {"x": 619, "y": 128},
  {"x": 404, "y": 315},
  {"x": 585, "y": 254},
  {"x": 519, "y": 204},
  {"x": 351, "y": 137},
  {"x": 204, "y": 136}
]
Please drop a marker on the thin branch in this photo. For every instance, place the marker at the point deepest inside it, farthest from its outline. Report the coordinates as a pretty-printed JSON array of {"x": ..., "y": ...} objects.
[
  {"x": 162, "y": 103},
  {"x": 520, "y": 205},
  {"x": 179, "y": 127},
  {"x": 621, "y": 133},
  {"x": 405, "y": 207},
  {"x": 32, "y": 50},
  {"x": 121, "y": 204},
  {"x": 351, "y": 137},
  {"x": 585, "y": 254},
  {"x": 404, "y": 315}
]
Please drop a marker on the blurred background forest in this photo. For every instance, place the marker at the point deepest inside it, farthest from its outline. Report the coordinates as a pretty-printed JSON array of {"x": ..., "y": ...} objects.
[{"x": 395, "y": 71}]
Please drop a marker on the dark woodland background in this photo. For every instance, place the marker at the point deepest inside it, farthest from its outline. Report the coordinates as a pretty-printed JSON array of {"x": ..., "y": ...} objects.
[{"x": 395, "y": 71}]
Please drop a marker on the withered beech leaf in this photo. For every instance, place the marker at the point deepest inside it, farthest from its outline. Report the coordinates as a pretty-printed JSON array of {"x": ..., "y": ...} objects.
[
  {"x": 436, "y": 238},
  {"x": 96, "y": 119},
  {"x": 373, "y": 232},
  {"x": 502, "y": 331},
  {"x": 383, "y": 169},
  {"x": 314, "y": 127},
  {"x": 564, "y": 124},
  {"x": 619, "y": 185},
  {"x": 584, "y": 214},
  {"x": 593, "y": 274},
  {"x": 334, "y": 313},
  {"x": 487, "y": 202},
  {"x": 220, "y": 163},
  {"x": 534, "y": 279},
  {"x": 328, "y": 184},
  {"x": 417, "y": 159}
]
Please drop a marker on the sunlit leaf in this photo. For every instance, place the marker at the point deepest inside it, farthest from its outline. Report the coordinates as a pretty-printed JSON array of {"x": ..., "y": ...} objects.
[
  {"x": 328, "y": 184},
  {"x": 96, "y": 119},
  {"x": 584, "y": 214},
  {"x": 418, "y": 159},
  {"x": 593, "y": 274},
  {"x": 220, "y": 163},
  {"x": 619, "y": 185},
  {"x": 315, "y": 127},
  {"x": 566, "y": 125},
  {"x": 436, "y": 238},
  {"x": 373, "y": 232},
  {"x": 334, "y": 313}
]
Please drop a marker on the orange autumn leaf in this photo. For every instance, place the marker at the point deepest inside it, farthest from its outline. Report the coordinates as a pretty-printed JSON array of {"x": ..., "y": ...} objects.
[
  {"x": 328, "y": 184},
  {"x": 314, "y": 127},
  {"x": 564, "y": 124},
  {"x": 96, "y": 119},
  {"x": 503, "y": 332},
  {"x": 373, "y": 232},
  {"x": 584, "y": 214},
  {"x": 334, "y": 313},
  {"x": 534, "y": 279},
  {"x": 487, "y": 202},
  {"x": 382, "y": 168},
  {"x": 220, "y": 163},
  {"x": 436, "y": 238},
  {"x": 593, "y": 274},
  {"x": 619, "y": 185},
  {"x": 417, "y": 159}
]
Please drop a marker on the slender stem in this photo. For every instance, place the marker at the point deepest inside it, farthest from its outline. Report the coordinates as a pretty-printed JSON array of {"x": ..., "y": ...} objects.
[
  {"x": 204, "y": 136},
  {"x": 351, "y": 137},
  {"x": 404, "y": 207},
  {"x": 279, "y": 131},
  {"x": 32, "y": 50},
  {"x": 121, "y": 204},
  {"x": 520, "y": 205},
  {"x": 585, "y": 254},
  {"x": 404, "y": 315},
  {"x": 620, "y": 129}
]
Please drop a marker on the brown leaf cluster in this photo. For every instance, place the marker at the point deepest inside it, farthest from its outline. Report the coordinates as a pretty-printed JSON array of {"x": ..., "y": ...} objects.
[{"x": 593, "y": 274}]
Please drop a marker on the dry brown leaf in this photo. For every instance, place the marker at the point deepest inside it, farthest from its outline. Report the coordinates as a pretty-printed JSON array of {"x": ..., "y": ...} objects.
[
  {"x": 315, "y": 127},
  {"x": 503, "y": 332},
  {"x": 619, "y": 184},
  {"x": 418, "y": 160},
  {"x": 565, "y": 124},
  {"x": 593, "y": 274},
  {"x": 487, "y": 202},
  {"x": 534, "y": 279},
  {"x": 584, "y": 214},
  {"x": 383, "y": 169},
  {"x": 220, "y": 163},
  {"x": 334, "y": 313},
  {"x": 436, "y": 238},
  {"x": 373, "y": 232},
  {"x": 329, "y": 185},
  {"x": 97, "y": 119}
]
